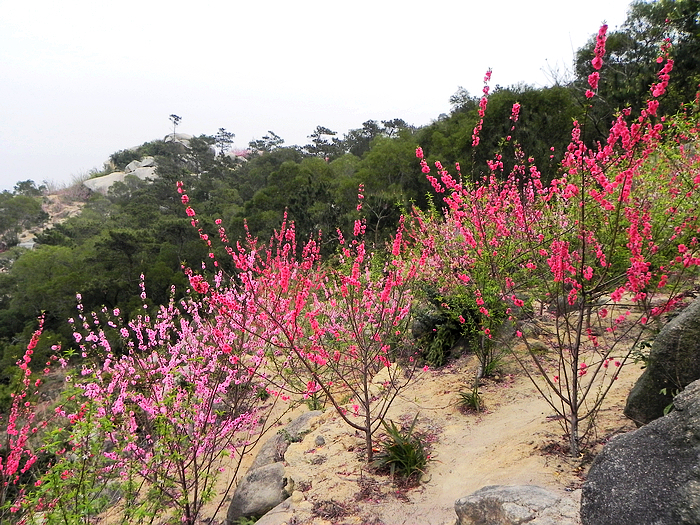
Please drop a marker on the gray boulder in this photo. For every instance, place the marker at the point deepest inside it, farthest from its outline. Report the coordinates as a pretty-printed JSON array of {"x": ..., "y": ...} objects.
[
  {"x": 282, "y": 513},
  {"x": 132, "y": 166},
  {"x": 182, "y": 138},
  {"x": 260, "y": 491},
  {"x": 263, "y": 487},
  {"x": 674, "y": 363},
  {"x": 102, "y": 184},
  {"x": 651, "y": 475},
  {"x": 274, "y": 448},
  {"x": 144, "y": 172},
  {"x": 503, "y": 505}
]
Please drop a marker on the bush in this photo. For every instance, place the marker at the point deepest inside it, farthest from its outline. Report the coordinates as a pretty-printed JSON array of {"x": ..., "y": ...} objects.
[
  {"x": 471, "y": 400},
  {"x": 456, "y": 318},
  {"x": 404, "y": 452}
]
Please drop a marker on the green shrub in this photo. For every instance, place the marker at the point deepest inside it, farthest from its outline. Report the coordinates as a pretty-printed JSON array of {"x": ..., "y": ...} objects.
[
  {"x": 470, "y": 400},
  {"x": 403, "y": 452},
  {"x": 123, "y": 157},
  {"x": 456, "y": 317}
]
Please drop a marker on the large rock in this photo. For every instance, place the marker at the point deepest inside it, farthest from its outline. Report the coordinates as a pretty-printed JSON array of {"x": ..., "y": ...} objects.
[
  {"x": 263, "y": 487},
  {"x": 132, "y": 166},
  {"x": 651, "y": 475},
  {"x": 134, "y": 169},
  {"x": 260, "y": 491},
  {"x": 674, "y": 363},
  {"x": 274, "y": 448},
  {"x": 179, "y": 138},
  {"x": 502, "y": 505},
  {"x": 102, "y": 184},
  {"x": 144, "y": 172},
  {"x": 148, "y": 162}
]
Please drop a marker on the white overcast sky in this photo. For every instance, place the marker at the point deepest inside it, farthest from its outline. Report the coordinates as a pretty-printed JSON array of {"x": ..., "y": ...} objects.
[{"x": 81, "y": 79}]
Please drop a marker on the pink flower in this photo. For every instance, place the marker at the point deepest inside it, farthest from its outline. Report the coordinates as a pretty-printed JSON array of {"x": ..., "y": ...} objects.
[
  {"x": 199, "y": 284},
  {"x": 652, "y": 107},
  {"x": 593, "y": 79}
]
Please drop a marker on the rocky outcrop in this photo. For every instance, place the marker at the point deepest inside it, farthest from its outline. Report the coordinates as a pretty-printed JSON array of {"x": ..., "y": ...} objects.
[
  {"x": 674, "y": 363},
  {"x": 274, "y": 448},
  {"x": 182, "y": 138},
  {"x": 514, "y": 505},
  {"x": 651, "y": 475},
  {"x": 135, "y": 165},
  {"x": 143, "y": 170},
  {"x": 265, "y": 485}
]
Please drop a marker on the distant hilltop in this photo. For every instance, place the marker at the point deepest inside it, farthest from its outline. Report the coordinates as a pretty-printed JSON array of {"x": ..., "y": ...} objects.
[{"x": 142, "y": 169}]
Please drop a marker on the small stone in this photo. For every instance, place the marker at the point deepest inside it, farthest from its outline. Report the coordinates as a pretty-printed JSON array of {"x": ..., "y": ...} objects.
[{"x": 319, "y": 441}]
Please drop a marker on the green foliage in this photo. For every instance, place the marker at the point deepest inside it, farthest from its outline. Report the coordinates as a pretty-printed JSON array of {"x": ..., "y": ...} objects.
[
  {"x": 78, "y": 488},
  {"x": 121, "y": 158},
  {"x": 544, "y": 123},
  {"x": 664, "y": 392},
  {"x": 247, "y": 520},
  {"x": 403, "y": 453},
  {"x": 470, "y": 400},
  {"x": 223, "y": 140},
  {"x": 455, "y": 318},
  {"x": 267, "y": 144},
  {"x": 630, "y": 66},
  {"x": 323, "y": 144},
  {"x": 18, "y": 212}
]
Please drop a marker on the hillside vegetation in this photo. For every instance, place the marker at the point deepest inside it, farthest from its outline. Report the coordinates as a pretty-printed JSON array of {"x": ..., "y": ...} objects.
[{"x": 228, "y": 274}]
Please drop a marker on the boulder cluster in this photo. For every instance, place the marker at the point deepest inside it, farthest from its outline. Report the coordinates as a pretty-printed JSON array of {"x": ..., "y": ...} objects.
[{"x": 143, "y": 169}]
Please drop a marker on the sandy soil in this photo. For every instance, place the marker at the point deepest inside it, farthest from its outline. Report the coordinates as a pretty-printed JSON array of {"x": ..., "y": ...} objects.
[
  {"x": 515, "y": 440},
  {"x": 60, "y": 208}
]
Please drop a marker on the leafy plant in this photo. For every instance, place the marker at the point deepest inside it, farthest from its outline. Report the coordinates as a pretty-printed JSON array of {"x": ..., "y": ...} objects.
[
  {"x": 664, "y": 392},
  {"x": 493, "y": 366},
  {"x": 403, "y": 452},
  {"x": 471, "y": 400}
]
